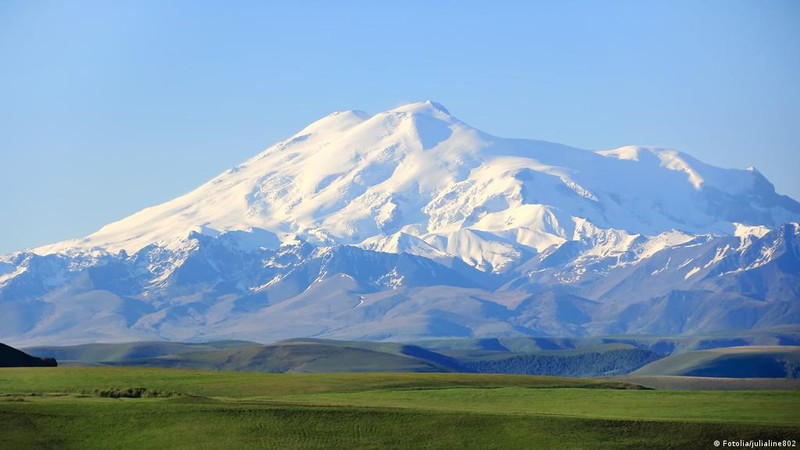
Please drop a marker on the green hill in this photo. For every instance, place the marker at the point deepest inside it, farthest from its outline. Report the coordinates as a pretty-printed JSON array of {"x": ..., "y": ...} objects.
[
  {"x": 294, "y": 356},
  {"x": 761, "y": 353},
  {"x": 11, "y": 357},
  {"x": 317, "y": 355},
  {"x": 731, "y": 362}
]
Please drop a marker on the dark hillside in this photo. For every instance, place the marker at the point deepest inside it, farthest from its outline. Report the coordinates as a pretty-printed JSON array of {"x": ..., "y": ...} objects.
[{"x": 11, "y": 357}]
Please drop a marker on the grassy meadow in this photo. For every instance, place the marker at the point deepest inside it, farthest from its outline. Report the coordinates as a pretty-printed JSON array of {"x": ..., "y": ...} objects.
[{"x": 54, "y": 408}]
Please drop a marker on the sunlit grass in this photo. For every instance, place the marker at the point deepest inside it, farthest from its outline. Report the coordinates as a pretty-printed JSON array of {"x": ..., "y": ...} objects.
[{"x": 61, "y": 408}]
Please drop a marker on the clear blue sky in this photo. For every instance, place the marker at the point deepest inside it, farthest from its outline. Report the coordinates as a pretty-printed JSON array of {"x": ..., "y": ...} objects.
[{"x": 108, "y": 107}]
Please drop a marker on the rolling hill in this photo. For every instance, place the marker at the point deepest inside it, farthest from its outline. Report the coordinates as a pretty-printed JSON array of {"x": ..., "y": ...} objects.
[
  {"x": 730, "y": 362},
  {"x": 329, "y": 356}
]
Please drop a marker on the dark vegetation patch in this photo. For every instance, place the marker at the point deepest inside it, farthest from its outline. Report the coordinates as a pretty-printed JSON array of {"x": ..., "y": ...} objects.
[
  {"x": 588, "y": 364},
  {"x": 133, "y": 392}
]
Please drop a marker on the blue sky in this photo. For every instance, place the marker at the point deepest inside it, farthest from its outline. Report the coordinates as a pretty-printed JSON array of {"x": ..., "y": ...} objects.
[{"x": 110, "y": 107}]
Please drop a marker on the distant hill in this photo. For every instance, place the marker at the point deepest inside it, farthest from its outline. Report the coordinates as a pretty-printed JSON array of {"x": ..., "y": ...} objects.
[
  {"x": 731, "y": 362},
  {"x": 295, "y": 357},
  {"x": 318, "y": 355},
  {"x": 11, "y": 357},
  {"x": 766, "y": 353},
  {"x": 85, "y": 354}
]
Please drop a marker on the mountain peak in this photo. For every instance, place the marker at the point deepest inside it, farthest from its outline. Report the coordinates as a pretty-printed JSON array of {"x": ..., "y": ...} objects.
[
  {"x": 423, "y": 107},
  {"x": 346, "y": 119}
]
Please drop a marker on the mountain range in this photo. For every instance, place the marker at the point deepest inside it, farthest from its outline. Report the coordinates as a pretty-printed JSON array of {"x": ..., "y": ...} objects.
[{"x": 410, "y": 224}]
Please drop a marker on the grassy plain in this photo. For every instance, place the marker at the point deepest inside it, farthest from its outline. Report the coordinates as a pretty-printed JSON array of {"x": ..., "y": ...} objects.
[{"x": 60, "y": 408}]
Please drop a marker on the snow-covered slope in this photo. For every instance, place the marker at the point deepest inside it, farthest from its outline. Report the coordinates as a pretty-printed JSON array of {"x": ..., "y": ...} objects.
[
  {"x": 410, "y": 198},
  {"x": 354, "y": 179}
]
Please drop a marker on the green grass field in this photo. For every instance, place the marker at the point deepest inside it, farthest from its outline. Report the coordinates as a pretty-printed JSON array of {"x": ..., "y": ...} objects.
[{"x": 58, "y": 408}]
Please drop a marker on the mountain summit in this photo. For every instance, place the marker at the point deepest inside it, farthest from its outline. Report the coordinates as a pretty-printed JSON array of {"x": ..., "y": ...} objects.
[{"x": 540, "y": 238}]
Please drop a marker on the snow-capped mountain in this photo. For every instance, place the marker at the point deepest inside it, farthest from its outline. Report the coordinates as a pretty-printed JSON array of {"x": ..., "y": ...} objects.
[{"x": 410, "y": 223}]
